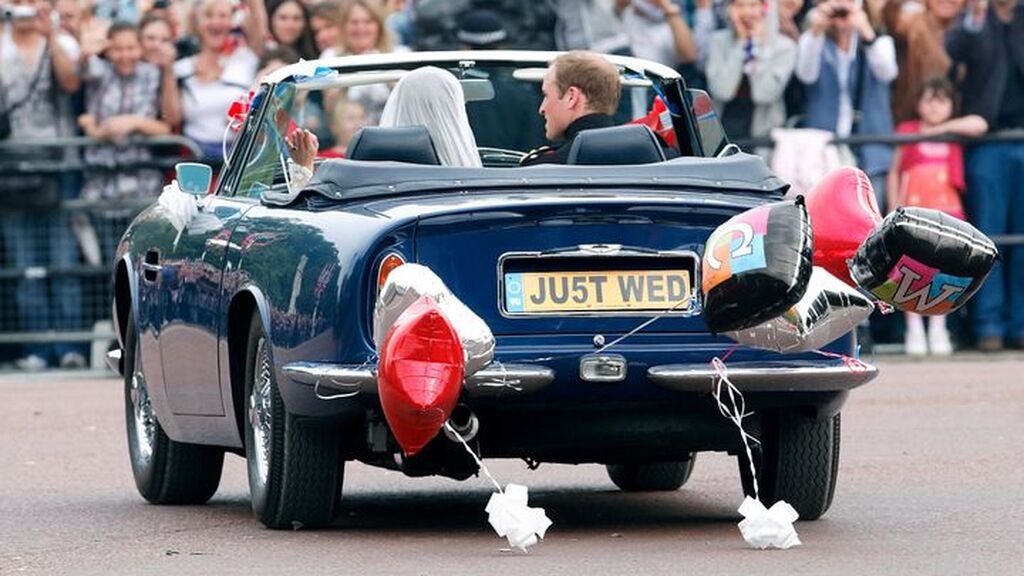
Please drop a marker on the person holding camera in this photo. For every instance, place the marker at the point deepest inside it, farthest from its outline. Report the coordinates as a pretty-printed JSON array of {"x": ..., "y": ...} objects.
[
  {"x": 846, "y": 68},
  {"x": 37, "y": 73},
  {"x": 39, "y": 63}
]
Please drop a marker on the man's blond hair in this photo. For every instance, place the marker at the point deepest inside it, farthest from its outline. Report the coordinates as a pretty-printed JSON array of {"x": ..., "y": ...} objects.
[{"x": 593, "y": 75}]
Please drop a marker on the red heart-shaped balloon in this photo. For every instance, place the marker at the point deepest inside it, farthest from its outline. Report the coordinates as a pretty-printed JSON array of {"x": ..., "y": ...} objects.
[
  {"x": 420, "y": 374},
  {"x": 843, "y": 212}
]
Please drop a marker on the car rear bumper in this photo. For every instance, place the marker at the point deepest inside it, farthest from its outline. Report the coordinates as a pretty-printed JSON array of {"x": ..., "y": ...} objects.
[
  {"x": 339, "y": 381},
  {"x": 347, "y": 380},
  {"x": 779, "y": 376}
]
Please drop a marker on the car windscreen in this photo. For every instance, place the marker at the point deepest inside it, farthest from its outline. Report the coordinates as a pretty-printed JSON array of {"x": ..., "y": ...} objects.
[{"x": 502, "y": 105}]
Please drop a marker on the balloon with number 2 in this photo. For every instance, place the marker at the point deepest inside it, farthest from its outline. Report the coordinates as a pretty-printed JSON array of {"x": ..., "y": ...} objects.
[{"x": 756, "y": 265}]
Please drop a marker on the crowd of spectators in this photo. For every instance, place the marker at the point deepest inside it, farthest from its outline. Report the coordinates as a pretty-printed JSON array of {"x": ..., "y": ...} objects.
[{"x": 114, "y": 68}]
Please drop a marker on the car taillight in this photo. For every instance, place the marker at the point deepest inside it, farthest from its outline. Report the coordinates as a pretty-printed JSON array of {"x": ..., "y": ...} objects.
[{"x": 389, "y": 263}]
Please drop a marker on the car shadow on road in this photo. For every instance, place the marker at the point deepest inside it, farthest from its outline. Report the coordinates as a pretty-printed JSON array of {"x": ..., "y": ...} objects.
[
  {"x": 569, "y": 509},
  {"x": 462, "y": 511}
]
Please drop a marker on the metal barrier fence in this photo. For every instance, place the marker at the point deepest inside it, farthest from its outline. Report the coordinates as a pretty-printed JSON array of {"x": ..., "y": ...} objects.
[
  {"x": 55, "y": 265},
  {"x": 855, "y": 140},
  {"x": 15, "y": 160},
  {"x": 55, "y": 253}
]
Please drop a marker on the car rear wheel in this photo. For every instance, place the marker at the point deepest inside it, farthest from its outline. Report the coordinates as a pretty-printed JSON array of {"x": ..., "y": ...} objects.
[
  {"x": 651, "y": 476},
  {"x": 165, "y": 471},
  {"x": 295, "y": 473},
  {"x": 798, "y": 462}
]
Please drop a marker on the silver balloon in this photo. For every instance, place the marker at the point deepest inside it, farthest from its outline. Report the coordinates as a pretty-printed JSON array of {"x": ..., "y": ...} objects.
[
  {"x": 829, "y": 309},
  {"x": 405, "y": 285}
]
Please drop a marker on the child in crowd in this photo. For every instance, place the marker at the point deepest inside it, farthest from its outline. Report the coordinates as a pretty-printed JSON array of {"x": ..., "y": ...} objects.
[
  {"x": 273, "y": 60},
  {"x": 123, "y": 97},
  {"x": 931, "y": 175},
  {"x": 348, "y": 117}
]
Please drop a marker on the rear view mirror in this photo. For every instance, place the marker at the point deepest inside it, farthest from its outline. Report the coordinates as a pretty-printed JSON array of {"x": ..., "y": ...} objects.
[
  {"x": 712, "y": 134},
  {"x": 193, "y": 178},
  {"x": 477, "y": 89}
]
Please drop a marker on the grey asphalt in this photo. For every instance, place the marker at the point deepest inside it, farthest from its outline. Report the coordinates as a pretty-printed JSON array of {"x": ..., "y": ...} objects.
[{"x": 931, "y": 482}]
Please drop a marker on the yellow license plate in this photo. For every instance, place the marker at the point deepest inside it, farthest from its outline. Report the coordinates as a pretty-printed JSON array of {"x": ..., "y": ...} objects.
[{"x": 605, "y": 291}]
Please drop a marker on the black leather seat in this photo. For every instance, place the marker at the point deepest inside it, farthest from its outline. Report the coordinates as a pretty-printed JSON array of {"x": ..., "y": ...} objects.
[
  {"x": 411, "y": 144},
  {"x": 628, "y": 144}
]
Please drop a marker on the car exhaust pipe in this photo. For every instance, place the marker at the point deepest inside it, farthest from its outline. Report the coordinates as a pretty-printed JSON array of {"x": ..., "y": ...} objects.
[{"x": 463, "y": 421}]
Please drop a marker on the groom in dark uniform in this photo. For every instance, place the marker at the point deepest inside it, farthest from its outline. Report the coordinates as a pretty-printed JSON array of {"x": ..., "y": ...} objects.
[{"x": 581, "y": 92}]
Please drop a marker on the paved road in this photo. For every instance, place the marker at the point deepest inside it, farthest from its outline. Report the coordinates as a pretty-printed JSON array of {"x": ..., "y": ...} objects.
[{"x": 930, "y": 483}]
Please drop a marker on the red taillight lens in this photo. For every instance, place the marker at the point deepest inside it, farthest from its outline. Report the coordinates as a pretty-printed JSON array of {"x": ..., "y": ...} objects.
[{"x": 389, "y": 263}]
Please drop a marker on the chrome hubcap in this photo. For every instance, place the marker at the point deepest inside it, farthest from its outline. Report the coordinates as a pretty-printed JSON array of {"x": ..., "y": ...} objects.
[
  {"x": 260, "y": 412},
  {"x": 142, "y": 409}
]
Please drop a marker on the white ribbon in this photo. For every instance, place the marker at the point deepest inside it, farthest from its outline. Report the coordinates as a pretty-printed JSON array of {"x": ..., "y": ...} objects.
[
  {"x": 761, "y": 527},
  {"x": 507, "y": 510},
  {"x": 735, "y": 410}
]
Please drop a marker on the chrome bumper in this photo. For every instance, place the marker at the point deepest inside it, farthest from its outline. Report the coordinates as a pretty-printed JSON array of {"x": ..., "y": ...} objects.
[
  {"x": 113, "y": 359},
  {"x": 334, "y": 378},
  {"x": 765, "y": 376},
  {"x": 492, "y": 381},
  {"x": 515, "y": 379}
]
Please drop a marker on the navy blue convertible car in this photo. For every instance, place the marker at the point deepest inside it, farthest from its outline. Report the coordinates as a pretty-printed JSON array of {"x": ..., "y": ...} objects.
[{"x": 245, "y": 320}]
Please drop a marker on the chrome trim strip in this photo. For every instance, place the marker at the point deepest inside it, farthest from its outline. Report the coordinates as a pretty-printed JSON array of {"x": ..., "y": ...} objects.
[
  {"x": 764, "y": 377},
  {"x": 599, "y": 251},
  {"x": 497, "y": 379},
  {"x": 113, "y": 360},
  {"x": 334, "y": 378},
  {"x": 344, "y": 64}
]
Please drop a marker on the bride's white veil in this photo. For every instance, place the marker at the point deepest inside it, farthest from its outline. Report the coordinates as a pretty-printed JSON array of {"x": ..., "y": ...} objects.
[{"x": 433, "y": 97}]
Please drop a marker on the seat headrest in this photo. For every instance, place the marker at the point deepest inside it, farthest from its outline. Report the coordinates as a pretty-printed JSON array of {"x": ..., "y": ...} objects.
[
  {"x": 628, "y": 144},
  {"x": 411, "y": 144}
]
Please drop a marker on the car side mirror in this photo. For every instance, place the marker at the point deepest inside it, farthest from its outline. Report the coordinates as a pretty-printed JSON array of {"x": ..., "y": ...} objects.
[
  {"x": 193, "y": 178},
  {"x": 712, "y": 134}
]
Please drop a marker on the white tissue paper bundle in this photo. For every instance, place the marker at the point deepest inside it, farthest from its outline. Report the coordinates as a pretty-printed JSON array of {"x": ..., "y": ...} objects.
[
  {"x": 180, "y": 207},
  {"x": 513, "y": 519},
  {"x": 768, "y": 527},
  {"x": 405, "y": 285}
]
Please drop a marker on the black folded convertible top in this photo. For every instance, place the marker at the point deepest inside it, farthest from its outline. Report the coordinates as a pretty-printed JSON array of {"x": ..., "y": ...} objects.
[{"x": 343, "y": 180}]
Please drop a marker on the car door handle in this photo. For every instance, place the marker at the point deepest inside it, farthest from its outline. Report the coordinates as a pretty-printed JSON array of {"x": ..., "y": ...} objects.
[{"x": 150, "y": 266}]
